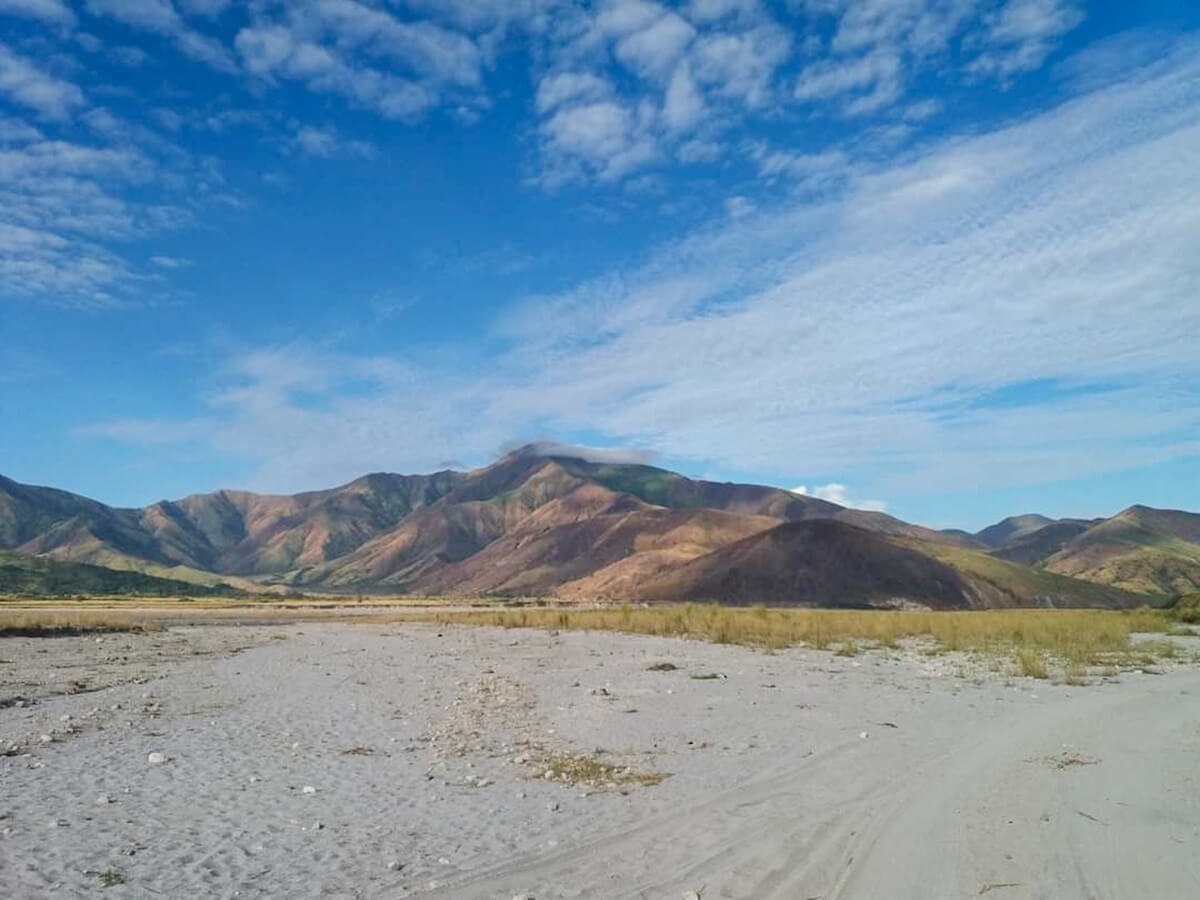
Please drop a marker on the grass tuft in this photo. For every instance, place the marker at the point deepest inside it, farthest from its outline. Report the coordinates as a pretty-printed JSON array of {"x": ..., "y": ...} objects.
[{"x": 576, "y": 769}]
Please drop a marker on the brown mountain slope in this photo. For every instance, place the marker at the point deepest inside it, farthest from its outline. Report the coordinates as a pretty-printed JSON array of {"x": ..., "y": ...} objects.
[
  {"x": 557, "y": 552},
  {"x": 1140, "y": 549},
  {"x": 819, "y": 562},
  {"x": 829, "y": 563},
  {"x": 485, "y": 505}
]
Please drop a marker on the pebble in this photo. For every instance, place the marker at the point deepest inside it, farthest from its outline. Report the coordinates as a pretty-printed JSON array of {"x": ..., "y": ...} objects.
[
  {"x": 156, "y": 758},
  {"x": 863, "y": 735},
  {"x": 308, "y": 789},
  {"x": 691, "y": 895},
  {"x": 444, "y": 860},
  {"x": 103, "y": 800},
  {"x": 46, "y": 738},
  {"x": 395, "y": 865},
  {"x": 552, "y": 807},
  {"x": 483, "y": 782},
  {"x": 317, "y": 826},
  {"x": 522, "y": 897}
]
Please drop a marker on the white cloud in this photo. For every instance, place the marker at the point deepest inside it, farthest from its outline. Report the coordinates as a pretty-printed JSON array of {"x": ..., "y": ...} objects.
[
  {"x": 1021, "y": 34},
  {"x": 27, "y": 85},
  {"x": 739, "y": 206},
  {"x": 684, "y": 105},
  {"x": 564, "y": 87},
  {"x": 1011, "y": 307},
  {"x": 836, "y": 493},
  {"x": 325, "y": 142},
  {"x": 160, "y": 17},
  {"x": 54, "y": 12},
  {"x": 171, "y": 262},
  {"x": 653, "y": 51},
  {"x": 275, "y": 51},
  {"x": 872, "y": 81}
]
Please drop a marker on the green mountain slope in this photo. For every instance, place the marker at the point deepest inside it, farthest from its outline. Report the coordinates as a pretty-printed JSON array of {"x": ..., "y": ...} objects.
[{"x": 41, "y": 576}]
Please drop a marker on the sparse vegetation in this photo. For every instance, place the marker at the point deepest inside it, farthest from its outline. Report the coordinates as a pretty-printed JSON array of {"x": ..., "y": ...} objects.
[
  {"x": 1036, "y": 640},
  {"x": 111, "y": 878},
  {"x": 51, "y": 623},
  {"x": 1030, "y": 663},
  {"x": 589, "y": 770}
]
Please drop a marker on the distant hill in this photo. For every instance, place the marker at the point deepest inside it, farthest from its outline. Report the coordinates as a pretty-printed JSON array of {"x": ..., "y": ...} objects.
[
  {"x": 1139, "y": 549},
  {"x": 42, "y": 576},
  {"x": 1011, "y": 528},
  {"x": 1035, "y": 547},
  {"x": 554, "y": 524}
]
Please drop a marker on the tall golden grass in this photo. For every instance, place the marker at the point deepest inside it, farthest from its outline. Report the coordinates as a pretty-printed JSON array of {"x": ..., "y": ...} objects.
[
  {"x": 1074, "y": 636},
  {"x": 26, "y": 623}
]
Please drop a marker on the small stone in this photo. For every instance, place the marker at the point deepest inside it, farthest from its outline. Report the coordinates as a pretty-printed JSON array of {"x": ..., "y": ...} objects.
[
  {"x": 522, "y": 897},
  {"x": 691, "y": 895},
  {"x": 483, "y": 782},
  {"x": 254, "y": 779},
  {"x": 46, "y": 738},
  {"x": 103, "y": 800},
  {"x": 156, "y": 758},
  {"x": 395, "y": 865},
  {"x": 317, "y": 826},
  {"x": 308, "y": 789},
  {"x": 552, "y": 807},
  {"x": 443, "y": 860},
  {"x": 549, "y": 776},
  {"x": 863, "y": 735},
  {"x": 65, "y": 717}
]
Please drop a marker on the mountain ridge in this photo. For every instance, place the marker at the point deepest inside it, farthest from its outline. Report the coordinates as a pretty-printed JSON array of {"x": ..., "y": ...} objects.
[{"x": 554, "y": 524}]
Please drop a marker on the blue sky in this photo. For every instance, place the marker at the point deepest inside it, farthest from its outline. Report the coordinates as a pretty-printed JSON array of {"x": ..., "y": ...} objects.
[{"x": 935, "y": 256}]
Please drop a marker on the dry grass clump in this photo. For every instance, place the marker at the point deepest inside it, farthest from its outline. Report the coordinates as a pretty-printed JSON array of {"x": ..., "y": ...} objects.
[
  {"x": 1074, "y": 639},
  {"x": 32, "y": 623},
  {"x": 581, "y": 769}
]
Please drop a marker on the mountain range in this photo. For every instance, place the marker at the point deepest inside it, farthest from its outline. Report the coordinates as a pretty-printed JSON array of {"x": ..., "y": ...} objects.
[{"x": 547, "y": 522}]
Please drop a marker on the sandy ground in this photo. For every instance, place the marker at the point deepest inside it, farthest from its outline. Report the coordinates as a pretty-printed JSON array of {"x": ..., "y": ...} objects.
[{"x": 793, "y": 775}]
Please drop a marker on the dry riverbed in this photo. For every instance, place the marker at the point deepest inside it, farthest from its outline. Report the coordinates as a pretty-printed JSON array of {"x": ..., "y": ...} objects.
[{"x": 413, "y": 760}]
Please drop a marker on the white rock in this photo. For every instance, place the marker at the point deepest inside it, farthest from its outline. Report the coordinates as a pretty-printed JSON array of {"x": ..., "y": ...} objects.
[
  {"x": 444, "y": 860},
  {"x": 395, "y": 865},
  {"x": 46, "y": 738},
  {"x": 65, "y": 717},
  {"x": 483, "y": 782},
  {"x": 103, "y": 800},
  {"x": 863, "y": 735},
  {"x": 552, "y": 807},
  {"x": 691, "y": 895},
  {"x": 156, "y": 758},
  {"x": 317, "y": 826},
  {"x": 308, "y": 789}
]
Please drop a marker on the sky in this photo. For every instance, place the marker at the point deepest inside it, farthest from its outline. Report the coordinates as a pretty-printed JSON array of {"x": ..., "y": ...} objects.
[{"x": 938, "y": 257}]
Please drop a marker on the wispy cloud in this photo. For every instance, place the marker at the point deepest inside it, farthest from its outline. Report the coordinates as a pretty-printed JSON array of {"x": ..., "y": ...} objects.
[
  {"x": 27, "y": 85},
  {"x": 327, "y": 143},
  {"x": 850, "y": 336}
]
